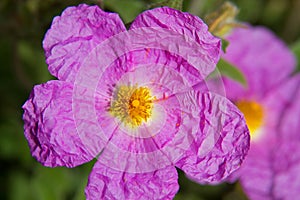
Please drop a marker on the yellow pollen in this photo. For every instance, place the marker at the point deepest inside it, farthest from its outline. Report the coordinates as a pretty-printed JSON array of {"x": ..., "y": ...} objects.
[
  {"x": 132, "y": 105},
  {"x": 135, "y": 103},
  {"x": 253, "y": 113}
]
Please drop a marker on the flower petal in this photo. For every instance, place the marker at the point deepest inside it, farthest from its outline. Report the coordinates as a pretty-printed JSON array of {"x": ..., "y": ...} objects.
[
  {"x": 221, "y": 143},
  {"x": 287, "y": 166},
  {"x": 187, "y": 25},
  {"x": 118, "y": 185},
  {"x": 256, "y": 174},
  {"x": 74, "y": 34},
  {"x": 264, "y": 59},
  {"x": 291, "y": 115},
  {"x": 269, "y": 171},
  {"x": 50, "y": 128}
]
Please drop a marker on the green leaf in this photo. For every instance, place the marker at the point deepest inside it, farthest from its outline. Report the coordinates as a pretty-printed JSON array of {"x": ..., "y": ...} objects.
[
  {"x": 296, "y": 50},
  {"x": 225, "y": 44},
  {"x": 176, "y": 4},
  {"x": 227, "y": 69}
]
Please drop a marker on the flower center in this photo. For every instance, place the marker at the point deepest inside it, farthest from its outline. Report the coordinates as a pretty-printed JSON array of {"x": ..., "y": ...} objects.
[
  {"x": 253, "y": 113},
  {"x": 132, "y": 105}
]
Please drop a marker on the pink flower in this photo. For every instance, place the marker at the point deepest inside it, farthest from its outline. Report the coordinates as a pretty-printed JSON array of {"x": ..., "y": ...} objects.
[
  {"x": 271, "y": 108},
  {"x": 127, "y": 98}
]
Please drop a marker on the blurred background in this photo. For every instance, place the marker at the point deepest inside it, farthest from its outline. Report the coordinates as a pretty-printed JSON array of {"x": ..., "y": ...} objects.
[{"x": 23, "y": 24}]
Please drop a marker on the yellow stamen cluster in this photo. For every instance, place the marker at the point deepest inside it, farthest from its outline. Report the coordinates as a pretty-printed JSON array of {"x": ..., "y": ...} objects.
[
  {"x": 132, "y": 105},
  {"x": 253, "y": 113}
]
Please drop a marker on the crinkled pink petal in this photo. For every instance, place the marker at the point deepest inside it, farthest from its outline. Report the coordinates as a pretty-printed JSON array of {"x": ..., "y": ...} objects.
[
  {"x": 287, "y": 167},
  {"x": 221, "y": 143},
  {"x": 74, "y": 34},
  {"x": 189, "y": 26},
  {"x": 50, "y": 128},
  {"x": 290, "y": 126},
  {"x": 269, "y": 168},
  {"x": 272, "y": 173},
  {"x": 280, "y": 110},
  {"x": 256, "y": 174},
  {"x": 106, "y": 183},
  {"x": 262, "y": 57},
  {"x": 174, "y": 61},
  {"x": 161, "y": 65},
  {"x": 286, "y": 154}
]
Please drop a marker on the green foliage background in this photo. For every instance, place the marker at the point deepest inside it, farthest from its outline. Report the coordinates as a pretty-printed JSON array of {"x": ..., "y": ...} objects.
[{"x": 23, "y": 24}]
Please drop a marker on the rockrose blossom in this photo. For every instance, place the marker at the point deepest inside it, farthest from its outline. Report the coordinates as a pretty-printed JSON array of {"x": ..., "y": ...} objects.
[
  {"x": 128, "y": 99},
  {"x": 271, "y": 107}
]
